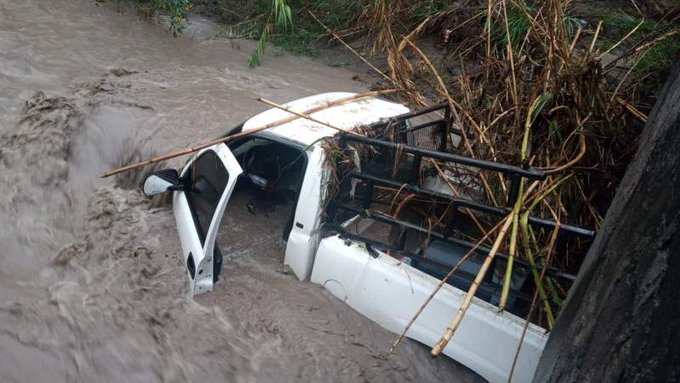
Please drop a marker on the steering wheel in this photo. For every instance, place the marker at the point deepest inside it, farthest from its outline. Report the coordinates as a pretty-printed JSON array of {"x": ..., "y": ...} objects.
[{"x": 255, "y": 179}]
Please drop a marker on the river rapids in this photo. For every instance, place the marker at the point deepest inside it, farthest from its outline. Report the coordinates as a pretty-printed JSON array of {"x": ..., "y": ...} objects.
[{"x": 92, "y": 285}]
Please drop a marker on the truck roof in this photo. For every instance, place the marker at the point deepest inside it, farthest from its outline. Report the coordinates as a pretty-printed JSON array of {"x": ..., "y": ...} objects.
[{"x": 347, "y": 116}]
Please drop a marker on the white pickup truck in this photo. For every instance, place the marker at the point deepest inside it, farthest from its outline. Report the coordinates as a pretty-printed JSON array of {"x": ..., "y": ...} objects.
[{"x": 382, "y": 287}]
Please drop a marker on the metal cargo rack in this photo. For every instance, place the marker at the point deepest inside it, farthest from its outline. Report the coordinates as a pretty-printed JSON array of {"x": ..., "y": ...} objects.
[{"x": 338, "y": 207}]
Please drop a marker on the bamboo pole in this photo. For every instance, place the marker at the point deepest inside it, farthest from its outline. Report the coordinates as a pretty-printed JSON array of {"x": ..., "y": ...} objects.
[
  {"x": 195, "y": 148},
  {"x": 300, "y": 114},
  {"x": 439, "y": 347}
]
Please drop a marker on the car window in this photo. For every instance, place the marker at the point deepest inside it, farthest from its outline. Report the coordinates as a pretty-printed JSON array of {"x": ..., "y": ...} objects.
[
  {"x": 208, "y": 179},
  {"x": 241, "y": 147}
]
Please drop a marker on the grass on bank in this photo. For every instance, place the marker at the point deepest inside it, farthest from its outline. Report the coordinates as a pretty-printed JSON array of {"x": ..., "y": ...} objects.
[{"x": 287, "y": 24}]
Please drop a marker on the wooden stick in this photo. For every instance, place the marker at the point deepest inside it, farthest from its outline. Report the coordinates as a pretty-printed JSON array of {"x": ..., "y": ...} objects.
[
  {"x": 439, "y": 347},
  {"x": 226, "y": 139}
]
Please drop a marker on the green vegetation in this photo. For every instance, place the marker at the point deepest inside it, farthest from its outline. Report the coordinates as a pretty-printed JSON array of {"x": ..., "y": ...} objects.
[
  {"x": 176, "y": 10},
  {"x": 518, "y": 26},
  {"x": 287, "y": 23},
  {"x": 279, "y": 19}
]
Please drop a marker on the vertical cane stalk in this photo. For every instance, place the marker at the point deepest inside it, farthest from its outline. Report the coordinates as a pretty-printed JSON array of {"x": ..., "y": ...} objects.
[{"x": 451, "y": 329}]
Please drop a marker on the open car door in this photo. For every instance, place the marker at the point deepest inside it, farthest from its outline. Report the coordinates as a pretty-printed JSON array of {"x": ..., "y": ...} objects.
[{"x": 207, "y": 183}]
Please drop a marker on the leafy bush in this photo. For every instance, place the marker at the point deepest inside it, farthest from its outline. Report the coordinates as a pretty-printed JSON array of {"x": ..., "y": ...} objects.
[
  {"x": 177, "y": 10},
  {"x": 279, "y": 18},
  {"x": 286, "y": 23}
]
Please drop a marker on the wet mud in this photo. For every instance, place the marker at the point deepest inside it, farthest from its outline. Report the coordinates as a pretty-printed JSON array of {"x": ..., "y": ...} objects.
[{"x": 92, "y": 284}]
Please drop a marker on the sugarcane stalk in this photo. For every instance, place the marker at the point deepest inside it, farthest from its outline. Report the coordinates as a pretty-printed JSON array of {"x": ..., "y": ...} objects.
[
  {"x": 513, "y": 250},
  {"x": 441, "y": 284},
  {"x": 534, "y": 272},
  {"x": 526, "y": 325},
  {"x": 226, "y": 139},
  {"x": 451, "y": 329},
  {"x": 535, "y": 108},
  {"x": 514, "y": 235},
  {"x": 524, "y": 224}
]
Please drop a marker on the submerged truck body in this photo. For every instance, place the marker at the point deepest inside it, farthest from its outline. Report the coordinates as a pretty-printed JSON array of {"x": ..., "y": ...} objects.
[{"x": 385, "y": 288}]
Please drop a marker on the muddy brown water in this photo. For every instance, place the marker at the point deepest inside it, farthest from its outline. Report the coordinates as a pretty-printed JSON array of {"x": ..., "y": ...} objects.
[{"x": 92, "y": 286}]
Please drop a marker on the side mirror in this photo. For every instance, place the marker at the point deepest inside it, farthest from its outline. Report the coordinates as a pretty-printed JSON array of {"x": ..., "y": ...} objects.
[{"x": 161, "y": 182}]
